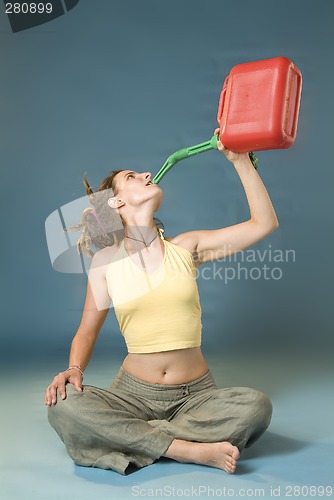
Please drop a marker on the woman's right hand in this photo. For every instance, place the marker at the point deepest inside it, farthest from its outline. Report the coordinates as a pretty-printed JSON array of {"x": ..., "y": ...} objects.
[{"x": 58, "y": 386}]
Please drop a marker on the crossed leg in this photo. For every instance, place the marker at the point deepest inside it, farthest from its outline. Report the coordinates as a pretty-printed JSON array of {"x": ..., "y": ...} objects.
[{"x": 212, "y": 428}]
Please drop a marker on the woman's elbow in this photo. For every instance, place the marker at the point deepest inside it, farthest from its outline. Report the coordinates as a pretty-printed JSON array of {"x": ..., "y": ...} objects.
[
  {"x": 273, "y": 226},
  {"x": 264, "y": 229},
  {"x": 266, "y": 226},
  {"x": 275, "y": 223}
]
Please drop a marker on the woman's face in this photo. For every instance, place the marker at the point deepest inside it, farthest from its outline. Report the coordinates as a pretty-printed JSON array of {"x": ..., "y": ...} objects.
[{"x": 135, "y": 189}]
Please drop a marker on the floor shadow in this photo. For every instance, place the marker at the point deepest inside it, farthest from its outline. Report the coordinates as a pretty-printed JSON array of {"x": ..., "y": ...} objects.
[{"x": 272, "y": 444}]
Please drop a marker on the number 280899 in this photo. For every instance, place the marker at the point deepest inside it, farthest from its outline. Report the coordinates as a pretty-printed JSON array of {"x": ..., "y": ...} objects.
[{"x": 28, "y": 8}]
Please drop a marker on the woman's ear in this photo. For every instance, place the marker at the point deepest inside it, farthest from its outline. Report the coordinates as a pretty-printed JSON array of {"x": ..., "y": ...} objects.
[{"x": 115, "y": 203}]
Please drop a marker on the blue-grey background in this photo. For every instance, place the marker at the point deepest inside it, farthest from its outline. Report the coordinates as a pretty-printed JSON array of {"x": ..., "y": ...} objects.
[
  {"x": 123, "y": 85},
  {"x": 115, "y": 84}
]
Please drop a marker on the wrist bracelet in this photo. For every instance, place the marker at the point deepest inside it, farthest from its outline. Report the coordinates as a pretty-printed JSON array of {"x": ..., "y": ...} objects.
[{"x": 75, "y": 367}]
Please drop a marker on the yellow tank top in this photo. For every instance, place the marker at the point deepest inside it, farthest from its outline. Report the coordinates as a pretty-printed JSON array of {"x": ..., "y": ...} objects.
[{"x": 158, "y": 311}]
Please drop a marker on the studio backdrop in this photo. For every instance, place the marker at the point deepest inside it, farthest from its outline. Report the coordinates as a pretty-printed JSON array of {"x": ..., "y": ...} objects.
[{"x": 98, "y": 86}]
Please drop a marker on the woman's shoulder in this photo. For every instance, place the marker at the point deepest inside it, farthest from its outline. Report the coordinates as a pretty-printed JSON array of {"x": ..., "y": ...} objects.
[
  {"x": 185, "y": 241},
  {"x": 105, "y": 255}
]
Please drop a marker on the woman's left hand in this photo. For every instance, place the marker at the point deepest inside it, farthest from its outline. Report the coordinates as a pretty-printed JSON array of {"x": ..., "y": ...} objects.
[{"x": 230, "y": 155}]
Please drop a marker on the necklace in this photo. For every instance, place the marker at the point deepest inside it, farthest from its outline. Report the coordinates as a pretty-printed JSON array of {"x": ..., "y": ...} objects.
[{"x": 142, "y": 241}]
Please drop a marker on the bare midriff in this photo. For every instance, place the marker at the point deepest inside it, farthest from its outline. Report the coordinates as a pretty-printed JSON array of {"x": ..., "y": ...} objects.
[{"x": 179, "y": 366}]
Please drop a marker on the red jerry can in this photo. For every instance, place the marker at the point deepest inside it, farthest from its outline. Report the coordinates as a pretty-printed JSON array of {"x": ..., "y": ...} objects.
[{"x": 259, "y": 105}]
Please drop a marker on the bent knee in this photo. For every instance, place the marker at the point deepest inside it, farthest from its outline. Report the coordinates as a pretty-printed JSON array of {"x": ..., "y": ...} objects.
[
  {"x": 262, "y": 407},
  {"x": 65, "y": 407}
]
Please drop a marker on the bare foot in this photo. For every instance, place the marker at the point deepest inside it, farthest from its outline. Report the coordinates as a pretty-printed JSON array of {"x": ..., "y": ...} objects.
[{"x": 220, "y": 455}]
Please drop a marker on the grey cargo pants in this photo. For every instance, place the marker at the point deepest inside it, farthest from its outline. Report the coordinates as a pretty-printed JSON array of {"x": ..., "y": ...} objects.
[{"x": 132, "y": 423}]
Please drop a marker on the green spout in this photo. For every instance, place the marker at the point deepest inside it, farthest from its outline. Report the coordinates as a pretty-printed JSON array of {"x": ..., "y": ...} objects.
[{"x": 184, "y": 153}]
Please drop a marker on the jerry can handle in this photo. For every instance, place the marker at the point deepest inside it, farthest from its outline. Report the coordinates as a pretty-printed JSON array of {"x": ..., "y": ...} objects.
[
  {"x": 297, "y": 101},
  {"x": 222, "y": 101}
]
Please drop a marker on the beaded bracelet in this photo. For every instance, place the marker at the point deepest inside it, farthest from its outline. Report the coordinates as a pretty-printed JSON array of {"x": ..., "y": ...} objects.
[{"x": 75, "y": 367}]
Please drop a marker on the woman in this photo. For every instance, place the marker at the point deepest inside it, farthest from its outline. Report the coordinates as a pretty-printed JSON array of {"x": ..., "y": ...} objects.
[{"x": 164, "y": 401}]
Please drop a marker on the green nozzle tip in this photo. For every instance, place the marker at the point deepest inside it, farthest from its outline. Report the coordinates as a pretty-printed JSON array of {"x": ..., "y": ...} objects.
[{"x": 214, "y": 141}]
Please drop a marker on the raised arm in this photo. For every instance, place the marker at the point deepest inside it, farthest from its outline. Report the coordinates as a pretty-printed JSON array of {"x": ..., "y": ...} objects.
[
  {"x": 210, "y": 245},
  {"x": 83, "y": 343}
]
